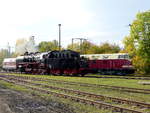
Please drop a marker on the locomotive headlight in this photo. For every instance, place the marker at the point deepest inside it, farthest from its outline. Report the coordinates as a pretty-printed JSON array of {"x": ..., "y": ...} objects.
[{"x": 20, "y": 66}]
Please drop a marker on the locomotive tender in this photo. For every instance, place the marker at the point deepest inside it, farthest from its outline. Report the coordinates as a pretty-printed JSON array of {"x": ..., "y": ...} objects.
[{"x": 68, "y": 62}]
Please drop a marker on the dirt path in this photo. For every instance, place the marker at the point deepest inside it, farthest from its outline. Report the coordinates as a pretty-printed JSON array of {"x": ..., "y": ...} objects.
[{"x": 18, "y": 102}]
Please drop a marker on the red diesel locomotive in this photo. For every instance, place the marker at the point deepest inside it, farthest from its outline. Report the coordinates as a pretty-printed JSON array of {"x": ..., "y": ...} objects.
[{"x": 110, "y": 64}]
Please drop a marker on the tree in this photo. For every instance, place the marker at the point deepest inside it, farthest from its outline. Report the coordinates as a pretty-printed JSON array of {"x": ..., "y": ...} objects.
[
  {"x": 108, "y": 48},
  {"x": 74, "y": 46},
  {"x": 89, "y": 48},
  {"x": 48, "y": 46},
  {"x": 129, "y": 46},
  {"x": 94, "y": 49},
  {"x": 138, "y": 42},
  {"x": 85, "y": 47},
  {"x": 3, "y": 54}
]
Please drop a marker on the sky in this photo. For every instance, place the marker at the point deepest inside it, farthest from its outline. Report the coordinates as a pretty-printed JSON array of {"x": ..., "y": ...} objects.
[{"x": 96, "y": 20}]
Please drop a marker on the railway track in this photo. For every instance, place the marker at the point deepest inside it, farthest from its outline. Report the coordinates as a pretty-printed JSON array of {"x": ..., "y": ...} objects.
[
  {"x": 101, "y": 97},
  {"x": 126, "y": 89},
  {"x": 135, "y": 78},
  {"x": 78, "y": 99}
]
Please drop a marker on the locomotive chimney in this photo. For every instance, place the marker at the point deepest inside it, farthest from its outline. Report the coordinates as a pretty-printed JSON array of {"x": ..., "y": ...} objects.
[{"x": 59, "y": 36}]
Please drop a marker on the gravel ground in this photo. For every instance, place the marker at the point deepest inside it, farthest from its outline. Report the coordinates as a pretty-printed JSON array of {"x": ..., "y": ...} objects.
[{"x": 17, "y": 102}]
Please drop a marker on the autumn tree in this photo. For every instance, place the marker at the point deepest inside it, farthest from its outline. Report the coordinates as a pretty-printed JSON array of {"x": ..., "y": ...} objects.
[
  {"x": 83, "y": 48},
  {"x": 138, "y": 42},
  {"x": 129, "y": 46},
  {"x": 74, "y": 46},
  {"x": 48, "y": 46},
  {"x": 109, "y": 48},
  {"x": 89, "y": 48},
  {"x": 3, "y": 54}
]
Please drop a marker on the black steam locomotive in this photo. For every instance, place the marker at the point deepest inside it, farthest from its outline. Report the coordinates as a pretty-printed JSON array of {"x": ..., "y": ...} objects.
[{"x": 65, "y": 62}]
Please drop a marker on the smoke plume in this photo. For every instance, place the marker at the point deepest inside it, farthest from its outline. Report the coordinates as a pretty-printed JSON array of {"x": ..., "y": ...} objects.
[{"x": 23, "y": 45}]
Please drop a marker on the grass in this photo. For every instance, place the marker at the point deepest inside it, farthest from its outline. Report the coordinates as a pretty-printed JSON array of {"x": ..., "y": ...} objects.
[
  {"x": 107, "y": 101},
  {"x": 102, "y": 81},
  {"x": 12, "y": 86},
  {"x": 102, "y": 91},
  {"x": 71, "y": 103}
]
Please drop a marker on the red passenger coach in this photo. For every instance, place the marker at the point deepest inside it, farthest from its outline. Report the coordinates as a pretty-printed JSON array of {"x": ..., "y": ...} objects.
[{"x": 110, "y": 64}]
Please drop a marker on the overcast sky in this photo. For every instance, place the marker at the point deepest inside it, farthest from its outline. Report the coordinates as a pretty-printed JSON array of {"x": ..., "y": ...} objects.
[{"x": 97, "y": 20}]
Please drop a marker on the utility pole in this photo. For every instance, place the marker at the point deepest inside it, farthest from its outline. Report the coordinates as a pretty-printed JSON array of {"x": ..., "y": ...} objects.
[
  {"x": 81, "y": 41},
  {"x": 59, "y": 37},
  {"x": 8, "y": 53}
]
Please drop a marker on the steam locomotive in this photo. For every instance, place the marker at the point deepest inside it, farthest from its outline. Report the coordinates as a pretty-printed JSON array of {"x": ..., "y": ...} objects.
[
  {"x": 68, "y": 62},
  {"x": 65, "y": 62}
]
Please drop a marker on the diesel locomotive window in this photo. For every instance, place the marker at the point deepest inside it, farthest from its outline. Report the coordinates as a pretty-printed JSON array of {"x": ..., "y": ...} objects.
[
  {"x": 121, "y": 56},
  {"x": 126, "y": 56}
]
